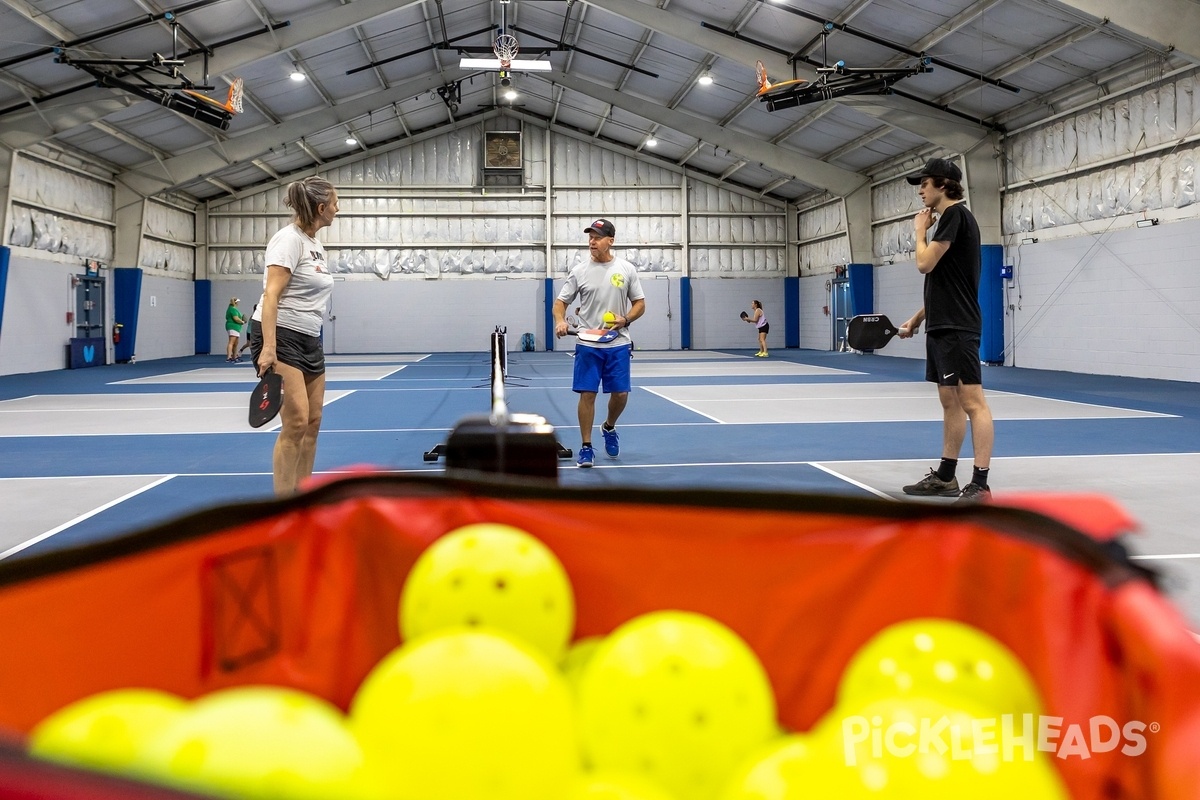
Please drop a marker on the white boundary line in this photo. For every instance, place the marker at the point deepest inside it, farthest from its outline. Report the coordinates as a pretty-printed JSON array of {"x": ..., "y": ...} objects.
[
  {"x": 43, "y": 536},
  {"x": 851, "y": 481},
  {"x": 1164, "y": 557},
  {"x": 682, "y": 405}
]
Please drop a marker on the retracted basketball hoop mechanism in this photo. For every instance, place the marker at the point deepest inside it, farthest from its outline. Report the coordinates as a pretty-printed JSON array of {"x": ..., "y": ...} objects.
[{"x": 833, "y": 80}]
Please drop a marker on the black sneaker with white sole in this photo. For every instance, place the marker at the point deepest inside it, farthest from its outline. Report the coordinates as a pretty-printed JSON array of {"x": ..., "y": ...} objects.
[
  {"x": 933, "y": 486},
  {"x": 974, "y": 493}
]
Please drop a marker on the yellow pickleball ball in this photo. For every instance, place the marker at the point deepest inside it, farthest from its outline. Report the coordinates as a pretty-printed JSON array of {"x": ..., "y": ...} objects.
[
  {"x": 793, "y": 767},
  {"x": 609, "y": 318},
  {"x": 468, "y": 715},
  {"x": 936, "y": 750},
  {"x": 940, "y": 658},
  {"x": 107, "y": 731},
  {"x": 678, "y": 698},
  {"x": 577, "y": 657},
  {"x": 616, "y": 786},
  {"x": 494, "y": 576},
  {"x": 261, "y": 742}
]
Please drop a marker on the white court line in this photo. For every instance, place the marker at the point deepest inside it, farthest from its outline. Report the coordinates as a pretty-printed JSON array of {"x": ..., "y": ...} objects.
[
  {"x": 851, "y": 481},
  {"x": 682, "y": 405},
  {"x": 41, "y": 537},
  {"x": 138, "y": 409},
  {"x": 1164, "y": 557}
]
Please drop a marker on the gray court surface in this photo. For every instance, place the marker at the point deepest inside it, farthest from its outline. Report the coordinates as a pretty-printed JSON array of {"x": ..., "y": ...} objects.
[
  {"x": 724, "y": 369},
  {"x": 850, "y": 402},
  {"x": 244, "y": 373},
  {"x": 1165, "y": 540},
  {"x": 382, "y": 358},
  {"x": 43, "y": 506},
  {"x": 121, "y": 414},
  {"x": 685, "y": 355}
]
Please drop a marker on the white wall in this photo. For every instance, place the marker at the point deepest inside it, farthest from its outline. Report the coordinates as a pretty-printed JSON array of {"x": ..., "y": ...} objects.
[
  {"x": 815, "y": 330},
  {"x": 1123, "y": 303},
  {"x": 716, "y": 303},
  {"x": 36, "y": 331},
  {"x": 166, "y": 319},
  {"x": 899, "y": 292}
]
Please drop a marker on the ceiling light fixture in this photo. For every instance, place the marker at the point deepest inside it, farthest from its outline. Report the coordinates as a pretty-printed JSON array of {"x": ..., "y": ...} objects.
[
  {"x": 296, "y": 75},
  {"x": 1149, "y": 222},
  {"x": 350, "y": 140},
  {"x": 511, "y": 94},
  {"x": 652, "y": 142},
  {"x": 705, "y": 79}
]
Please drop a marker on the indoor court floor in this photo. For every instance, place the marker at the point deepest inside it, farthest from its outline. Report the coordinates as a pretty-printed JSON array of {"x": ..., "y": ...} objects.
[{"x": 94, "y": 453}]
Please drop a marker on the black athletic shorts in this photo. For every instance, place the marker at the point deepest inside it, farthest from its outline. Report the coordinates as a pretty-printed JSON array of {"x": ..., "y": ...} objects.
[
  {"x": 951, "y": 357},
  {"x": 766, "y": 328},
  {"x": 293, "y": 348}
]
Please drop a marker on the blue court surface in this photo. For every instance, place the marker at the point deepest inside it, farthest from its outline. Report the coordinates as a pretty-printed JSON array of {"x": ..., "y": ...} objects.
[{"x": 93, "y": 453}]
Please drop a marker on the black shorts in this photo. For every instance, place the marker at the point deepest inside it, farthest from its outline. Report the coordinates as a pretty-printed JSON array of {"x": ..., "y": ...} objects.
[
  {"x": 766, "y": 328},
  {"x": 951, "y": 357},
  {"x": 293, "y": 348}
]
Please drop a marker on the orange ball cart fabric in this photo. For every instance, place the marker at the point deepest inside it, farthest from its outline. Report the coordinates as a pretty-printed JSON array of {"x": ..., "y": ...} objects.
[{"x": 304, "y": 593}]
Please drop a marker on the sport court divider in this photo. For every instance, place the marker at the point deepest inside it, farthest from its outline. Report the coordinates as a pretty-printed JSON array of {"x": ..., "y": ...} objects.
[{"x": 303, "y": 592}]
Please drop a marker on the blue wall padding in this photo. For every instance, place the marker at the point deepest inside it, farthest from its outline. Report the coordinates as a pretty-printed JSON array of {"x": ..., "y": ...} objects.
[
  {"x": 4, "y": 251},
  {"x": 862, "y": 289},
  {"x": 127, "y": 296},
  {"x": 791, "y": 312},
  {"x": 685, "y": 313},
  {"x": 548, "y": 334},
  {"x": 204, "y": 317},
  {"x": 991, "y": 304}
]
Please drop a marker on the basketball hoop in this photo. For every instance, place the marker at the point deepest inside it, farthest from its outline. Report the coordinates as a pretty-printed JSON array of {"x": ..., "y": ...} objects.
[{"x": 506, "y": 48}]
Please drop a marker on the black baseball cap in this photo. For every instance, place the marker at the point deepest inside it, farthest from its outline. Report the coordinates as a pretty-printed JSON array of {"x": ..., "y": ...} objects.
[
  {"x": 602, "y": 227},
  {"x": 937, "y": 168}
]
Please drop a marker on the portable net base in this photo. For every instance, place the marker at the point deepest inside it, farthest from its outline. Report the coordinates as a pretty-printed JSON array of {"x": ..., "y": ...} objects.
[{"x": 303, "y": 592}]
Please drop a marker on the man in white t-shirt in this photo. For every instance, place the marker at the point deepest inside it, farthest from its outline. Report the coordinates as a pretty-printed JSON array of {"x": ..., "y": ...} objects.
[{"x": 603, "y": 285}]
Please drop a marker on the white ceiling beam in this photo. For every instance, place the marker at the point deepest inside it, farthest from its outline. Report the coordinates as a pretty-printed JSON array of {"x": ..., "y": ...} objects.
[
  {"x": 772, "y": 186},
  {"x": 222, "y": 185},
  {"x": 1174, "y": 23},
  {"x": 129, "y": 139},
  {"x": 803, "y": 122},
  {"x": 40, "y": 19},
  {"x": 931, "y": 124},
  {"x": 252, "y": 144},
  {"x": 734, "y": 167},
  {"x": 861, "y": 141},
  {"x": 265, "y": 167},
  {"x": 22, "y": 129},
  {"x": 788, "y": 162},
  {"x": 313, "y": 154},
  {"x": 1022, "y": 61},
  {"x": 955, "y": 24}
]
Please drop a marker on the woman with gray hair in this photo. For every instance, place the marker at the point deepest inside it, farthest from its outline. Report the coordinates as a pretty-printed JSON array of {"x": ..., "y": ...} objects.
[{"x": 285, "y": 330}]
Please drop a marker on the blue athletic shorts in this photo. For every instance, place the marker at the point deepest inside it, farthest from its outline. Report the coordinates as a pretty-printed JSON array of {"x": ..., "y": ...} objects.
[{"x": 607, "y": 364}]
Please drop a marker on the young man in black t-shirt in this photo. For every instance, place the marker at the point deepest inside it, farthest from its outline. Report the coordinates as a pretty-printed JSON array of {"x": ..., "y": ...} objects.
[{"x": 950, "y": 262}]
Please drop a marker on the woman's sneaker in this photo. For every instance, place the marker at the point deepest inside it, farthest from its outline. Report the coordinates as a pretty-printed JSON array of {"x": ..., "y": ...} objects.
[
  {"x": 933, "y": 486},
  {"x": 587, "y": 457},
  {"x": 612, "y": 442}
]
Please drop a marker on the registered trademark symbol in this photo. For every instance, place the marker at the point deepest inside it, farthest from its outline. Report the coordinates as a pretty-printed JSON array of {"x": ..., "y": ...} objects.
[{"x": 1154, "y": 727}]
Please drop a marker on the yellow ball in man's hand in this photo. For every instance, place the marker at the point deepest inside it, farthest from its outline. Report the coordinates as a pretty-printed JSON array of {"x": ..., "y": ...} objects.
[{"x": 610, "y": 318}]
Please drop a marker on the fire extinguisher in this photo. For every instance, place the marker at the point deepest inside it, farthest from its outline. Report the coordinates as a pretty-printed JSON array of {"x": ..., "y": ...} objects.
[{"x": 117, "y": 332}]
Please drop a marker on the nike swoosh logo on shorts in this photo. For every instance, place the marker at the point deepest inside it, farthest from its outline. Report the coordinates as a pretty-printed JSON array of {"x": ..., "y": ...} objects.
[{"x": 948, "y": 375}]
